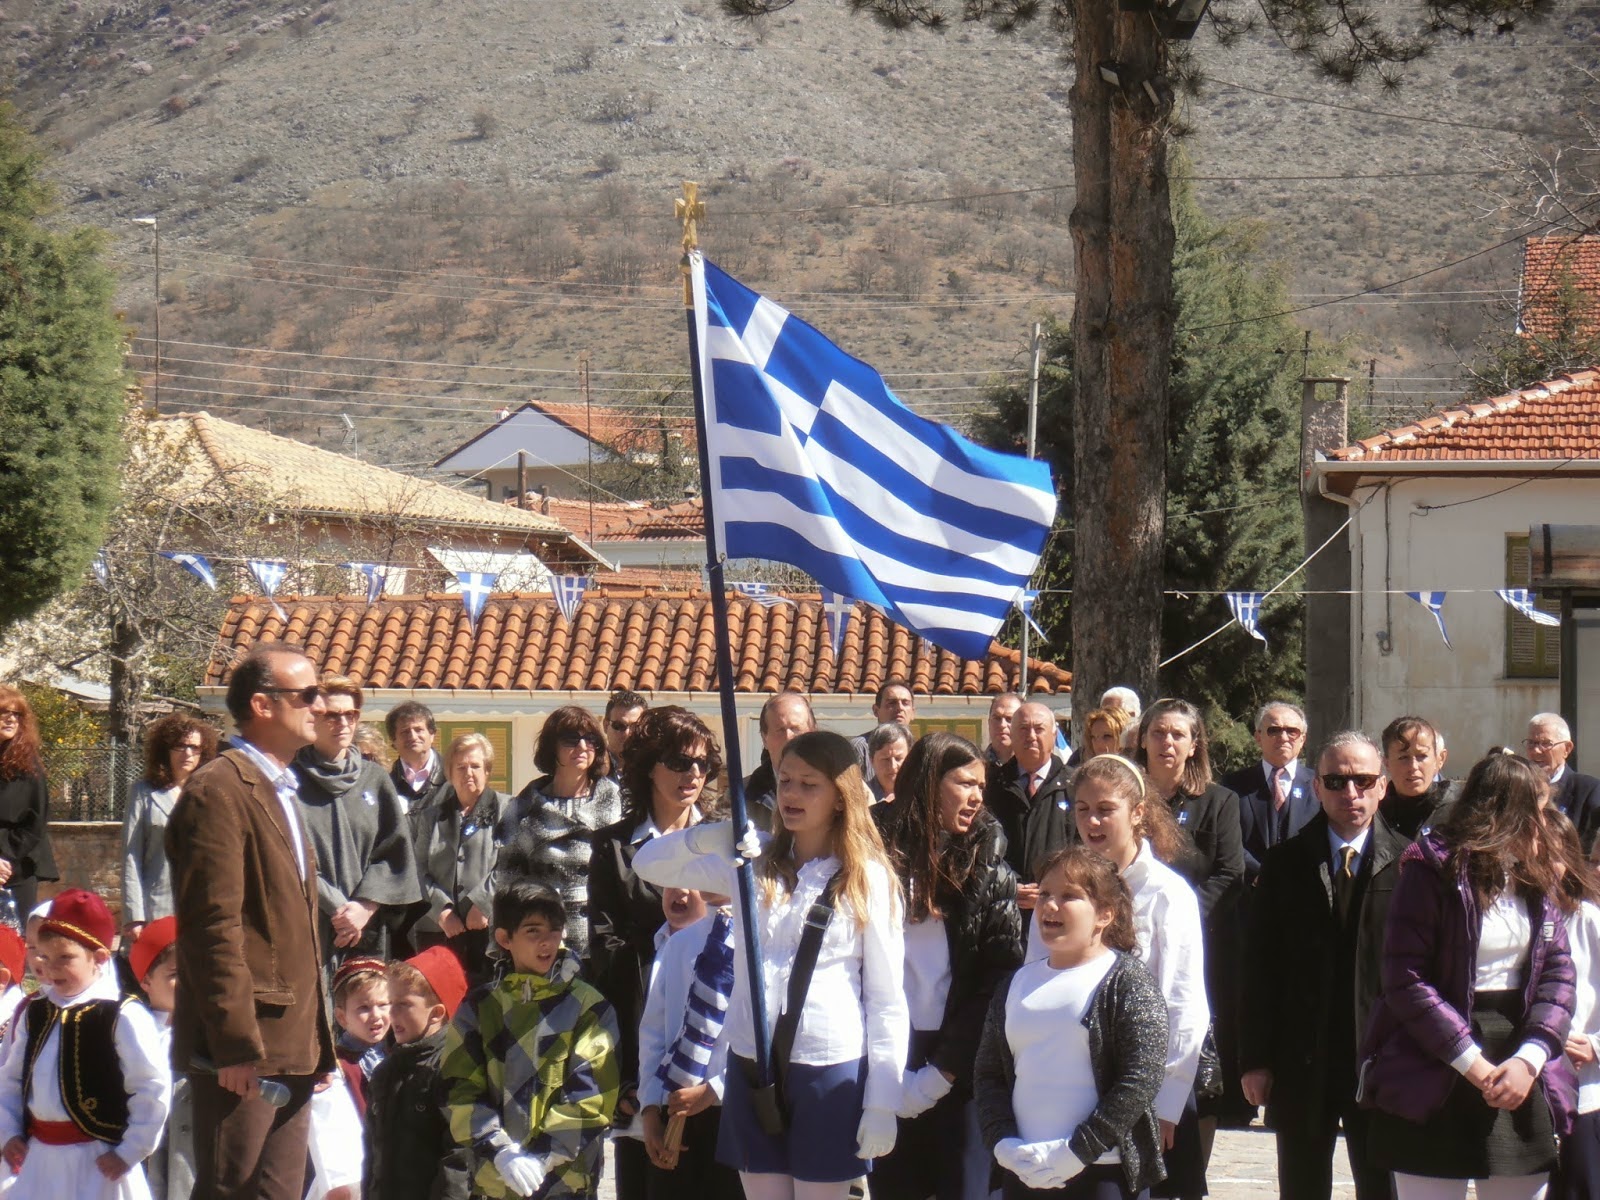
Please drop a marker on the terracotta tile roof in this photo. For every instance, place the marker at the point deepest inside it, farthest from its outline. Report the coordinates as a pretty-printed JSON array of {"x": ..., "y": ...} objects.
[
  {"x": 315, "y": 480},
  {"x": 621, "y": 430},
  {"x": 626, "y": 520},
  {"x": 1557, "y": 268},
  {"x": 620, "y": 638},
  {"x": 1556, "y": 419}
]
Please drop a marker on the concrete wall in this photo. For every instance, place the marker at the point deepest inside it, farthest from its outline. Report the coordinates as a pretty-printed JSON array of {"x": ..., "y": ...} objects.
[
  {"x": 88, "y": 855},
  {"x": 1400, "y": 544}
]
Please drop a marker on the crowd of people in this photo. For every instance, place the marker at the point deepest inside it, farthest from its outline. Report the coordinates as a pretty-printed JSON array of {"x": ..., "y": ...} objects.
[{"x": 1020, "y": 969}]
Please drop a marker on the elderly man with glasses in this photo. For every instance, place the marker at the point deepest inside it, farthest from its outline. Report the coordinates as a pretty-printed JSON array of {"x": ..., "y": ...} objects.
[
  {"x": 1275, "y": 796},
  {"x": 251, "y": 1005},
  {"x": 1549, "y": 745}
]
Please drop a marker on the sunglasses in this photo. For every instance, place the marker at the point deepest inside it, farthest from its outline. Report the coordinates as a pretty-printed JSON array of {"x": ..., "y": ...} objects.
[
  {"x": 1285, "y": 731},
  {"x": 1337, "y": 783},
  {"x": 570, "y": 741},
  {"x": 622, "y": 726},
  {"x": 352, "y": 717},
  {"x": 188, "y": 748},
  {"x": 683, "y": 763},
  {"x": 307, "y": 695}
]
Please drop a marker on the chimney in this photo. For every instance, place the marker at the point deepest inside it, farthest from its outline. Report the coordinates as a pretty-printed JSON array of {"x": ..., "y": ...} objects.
[
  {"x": 544, "y": 498},
  {"x": 1324, "y": 418}
]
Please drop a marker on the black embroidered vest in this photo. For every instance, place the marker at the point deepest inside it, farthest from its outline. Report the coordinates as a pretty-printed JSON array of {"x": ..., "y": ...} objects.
[{"x": 92, "y": 1089}]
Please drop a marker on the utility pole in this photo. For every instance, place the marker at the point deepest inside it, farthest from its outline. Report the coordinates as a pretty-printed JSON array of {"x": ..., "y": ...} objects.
[
  {"x": 588, "y": 427},
  {"x": 155, "y": 383},
  {"x": 1033, "y": 448}
]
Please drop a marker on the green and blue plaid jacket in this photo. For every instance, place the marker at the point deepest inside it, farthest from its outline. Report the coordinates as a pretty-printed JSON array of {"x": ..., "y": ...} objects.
[{"x": 531, "y": 1061}]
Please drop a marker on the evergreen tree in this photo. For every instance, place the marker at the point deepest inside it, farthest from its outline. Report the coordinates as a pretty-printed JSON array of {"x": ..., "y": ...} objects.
[
  {"x": 62, "y": 387},
  {"x": 1233, "y": 441},
  {"x": 1567, "y": 338}
]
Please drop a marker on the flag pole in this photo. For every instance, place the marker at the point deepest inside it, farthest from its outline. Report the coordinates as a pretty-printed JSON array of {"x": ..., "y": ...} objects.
[{"x": 690, "y": 210}]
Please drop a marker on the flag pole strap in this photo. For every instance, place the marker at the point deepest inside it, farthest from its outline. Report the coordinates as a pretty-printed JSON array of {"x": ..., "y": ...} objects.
[{"x": 690, "y": 210}]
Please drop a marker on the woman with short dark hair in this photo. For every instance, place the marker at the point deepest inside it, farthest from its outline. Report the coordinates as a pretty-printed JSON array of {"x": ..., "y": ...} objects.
[
  {"x": 173, "y": 747},
  {"x": 556, "y": 816}
]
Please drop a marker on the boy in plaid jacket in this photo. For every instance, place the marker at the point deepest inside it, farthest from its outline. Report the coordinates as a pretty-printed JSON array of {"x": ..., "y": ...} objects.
[{"x": 530, "y": 1062}]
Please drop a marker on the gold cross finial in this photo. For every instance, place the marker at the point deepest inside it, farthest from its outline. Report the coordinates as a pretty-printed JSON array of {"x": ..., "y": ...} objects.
[{"x": 690, "y": 210}]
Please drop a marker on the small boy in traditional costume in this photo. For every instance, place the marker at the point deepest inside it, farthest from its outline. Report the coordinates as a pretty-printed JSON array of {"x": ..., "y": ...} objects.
[
  {"x": 81, "y": 1132},
  {"x": 361, "y": 1008}
]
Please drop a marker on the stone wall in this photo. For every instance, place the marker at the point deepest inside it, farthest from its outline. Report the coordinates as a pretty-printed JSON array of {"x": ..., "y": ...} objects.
[{"x": 88, "y": 855}]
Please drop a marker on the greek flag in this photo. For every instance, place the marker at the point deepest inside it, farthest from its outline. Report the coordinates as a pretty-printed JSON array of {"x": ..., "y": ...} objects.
[
  {"x": 195, "y": 565},
  {"x": 1434, "y": 603},
  {"x": 376, "y": 576},
  {"x": 815, "y": 463},
  {"x": 760, "y": 593},
  {"x": 568, "y": 591},
  {"x": 1522, "y": 600},
  {"x": 269, "y": 573},
  {"x": 836, "y": 612},
  {"x": 1025, "y": 603},
  {"x": 1246, "y": 609},
  {"x": 474, "y": 587}
]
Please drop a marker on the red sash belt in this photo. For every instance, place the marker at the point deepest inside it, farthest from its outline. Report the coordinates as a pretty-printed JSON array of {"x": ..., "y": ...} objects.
[{"x": 56, "y": 1133}]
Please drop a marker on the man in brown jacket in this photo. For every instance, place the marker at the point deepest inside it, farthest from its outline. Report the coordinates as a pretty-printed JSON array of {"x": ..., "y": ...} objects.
[{"x": 250, "y": 1000}]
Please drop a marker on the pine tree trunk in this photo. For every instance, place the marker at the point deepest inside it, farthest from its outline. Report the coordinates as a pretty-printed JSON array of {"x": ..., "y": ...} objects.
[{"x": 1122, "y": 341}]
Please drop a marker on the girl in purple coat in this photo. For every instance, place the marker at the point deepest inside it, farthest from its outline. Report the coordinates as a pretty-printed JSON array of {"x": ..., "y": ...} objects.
[{"x": 1463, "y": 1054}]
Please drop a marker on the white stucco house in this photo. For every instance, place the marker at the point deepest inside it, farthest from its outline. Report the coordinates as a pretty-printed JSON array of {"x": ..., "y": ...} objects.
[{"x": 1445, "y": 505}]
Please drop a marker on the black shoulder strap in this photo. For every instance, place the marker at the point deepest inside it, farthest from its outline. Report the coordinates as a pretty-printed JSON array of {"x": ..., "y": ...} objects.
[{"x": 805, "y": 962}]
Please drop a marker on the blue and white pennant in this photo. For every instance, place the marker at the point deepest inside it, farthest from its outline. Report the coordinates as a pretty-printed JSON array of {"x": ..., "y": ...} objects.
[
  {"x": 475, "y": 588},
  {"x": 1246, "y": 609},
  {"x": 568, "y": 592},
  {"x": 1522, "y": 599},
  {"x": 194, "y": 564},
  {"x": 836, "y": 613},
  {"x": 1434, "y": 603}
]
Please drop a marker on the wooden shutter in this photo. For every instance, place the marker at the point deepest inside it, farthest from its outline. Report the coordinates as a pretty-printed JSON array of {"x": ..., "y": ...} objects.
[
  {"x": 499, "y": 735},
  {"x": 1533, "y": 651}
]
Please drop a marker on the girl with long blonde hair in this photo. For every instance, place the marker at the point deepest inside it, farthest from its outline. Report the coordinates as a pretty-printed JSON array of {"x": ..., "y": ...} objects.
[{"x": 841, "y": 1085}]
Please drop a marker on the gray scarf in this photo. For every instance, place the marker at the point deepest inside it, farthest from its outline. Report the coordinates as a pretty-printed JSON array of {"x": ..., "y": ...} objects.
[{"x": 336, "y": 778}]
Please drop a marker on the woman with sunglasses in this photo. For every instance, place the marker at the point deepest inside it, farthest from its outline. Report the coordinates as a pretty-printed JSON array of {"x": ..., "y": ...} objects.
[
  {"x": 367, "y": 884},
  {"x": 1463, "y": 1055},
  {"x": 669, "y": 760},
  {"x": 557, "y": 815},
  {"x": 25, "y": 854},
  {"x": 173, "y": 747}
]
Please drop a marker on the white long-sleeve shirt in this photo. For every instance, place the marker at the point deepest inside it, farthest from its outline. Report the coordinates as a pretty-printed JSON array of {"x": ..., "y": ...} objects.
[
  {"x": 671, "y": 977},
  {"x": 1166, "y": 917},
  {"x": 140, "y": 1052},
  {"x": 1583, "y": 933},
  {"x": 856, "y": 1005}
]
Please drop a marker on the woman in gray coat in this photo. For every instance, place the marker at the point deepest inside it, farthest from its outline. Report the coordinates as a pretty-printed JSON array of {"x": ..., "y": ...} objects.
[
  {"x": 458, "y": 863},
  {"x": 173, "y": 747}
]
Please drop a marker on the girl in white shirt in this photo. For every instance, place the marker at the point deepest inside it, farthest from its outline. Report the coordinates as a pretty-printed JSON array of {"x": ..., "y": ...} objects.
[
  {"x": 843, "y": 1082},
  {"x": 1119, "y": 816},
  {"x": 1577, "y": 1176}
]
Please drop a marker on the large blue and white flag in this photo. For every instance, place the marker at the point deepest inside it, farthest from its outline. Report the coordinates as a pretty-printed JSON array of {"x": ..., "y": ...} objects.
[
  {"x": 836, "y": 613},
  {"x": 1434, "y": 603},
  {"x": 1246, "y": 609},
  {"x": 475, "y": 587},
  {"x": 1522, "y": 600},
  {"x": 568, "y": 591},
  {"x": 814, "y": 462},
  {"x": 195, "y": 565}
]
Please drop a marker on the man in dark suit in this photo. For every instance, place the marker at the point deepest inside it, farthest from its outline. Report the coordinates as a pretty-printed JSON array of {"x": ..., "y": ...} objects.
[
  {"x": 1031, "y": 800},
  {"x": 1275, "y": 796},
  {"x": 250, "y": 992},
  {"x": 1313, "y": 972},
  {"x": 1549, "y": 745},
  {"x": 1413, "y": 757}
]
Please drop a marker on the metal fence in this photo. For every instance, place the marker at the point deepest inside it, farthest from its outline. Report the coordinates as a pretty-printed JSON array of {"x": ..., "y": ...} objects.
[{"x": 91, "y": 783}]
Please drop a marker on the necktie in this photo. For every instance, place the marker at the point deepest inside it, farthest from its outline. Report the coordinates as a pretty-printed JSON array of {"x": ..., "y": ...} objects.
[
  {"x": 1344, "y": 880},
  {"x": 1280, "y": 787},
  {"x": 1033, "y": 785}
]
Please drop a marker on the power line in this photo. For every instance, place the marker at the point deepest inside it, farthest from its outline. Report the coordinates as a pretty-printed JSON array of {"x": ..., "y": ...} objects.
[{"x": 1397, "y": 116}]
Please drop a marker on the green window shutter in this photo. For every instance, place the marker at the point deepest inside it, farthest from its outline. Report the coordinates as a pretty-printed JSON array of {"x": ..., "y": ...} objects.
[{"x": 1532, "y": 651}]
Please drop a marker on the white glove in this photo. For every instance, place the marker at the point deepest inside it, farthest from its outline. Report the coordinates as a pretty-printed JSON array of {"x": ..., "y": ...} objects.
[
  {"x": 749, "y": 846},
  {"x": 1057, "y": 1162},
  {"x": 523, "y": 1173},
  {"x": 875, "y": 1136},
  {"x": 921, "y": 1090},
  {"x": 709, "y": 837},
  {"x": 1008, "y": 1153}
]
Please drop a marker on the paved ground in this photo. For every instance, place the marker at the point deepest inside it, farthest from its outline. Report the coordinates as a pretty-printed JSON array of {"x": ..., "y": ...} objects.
[{"x": 1243, "y": 1167}]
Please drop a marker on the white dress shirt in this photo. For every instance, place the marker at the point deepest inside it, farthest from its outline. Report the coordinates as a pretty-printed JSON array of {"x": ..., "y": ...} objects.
[
  {"x": 856, "y": 1005},
  {"x": 1336, "y": 845},
  {"x": 671, "y": 977},
  {"x": 1583, "y": 932},
  {"x": 1166, "y": 917},
  {"x": 287, "y": 786},
  {"x": 928, "y": 972},
  {"x": 1505, "y": 942}
]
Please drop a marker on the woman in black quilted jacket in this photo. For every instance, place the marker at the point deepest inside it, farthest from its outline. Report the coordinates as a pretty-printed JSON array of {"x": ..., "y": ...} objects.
[{"x": 963, "y": 935}]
